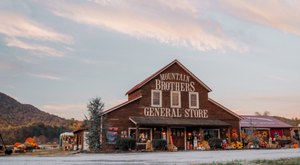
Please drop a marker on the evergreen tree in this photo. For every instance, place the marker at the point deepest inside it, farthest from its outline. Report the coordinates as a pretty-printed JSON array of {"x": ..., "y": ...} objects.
[{"x": 95, "y": 107}]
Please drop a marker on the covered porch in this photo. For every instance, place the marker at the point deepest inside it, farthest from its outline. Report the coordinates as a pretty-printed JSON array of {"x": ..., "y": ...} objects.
[{"x": 184, "y": 133}]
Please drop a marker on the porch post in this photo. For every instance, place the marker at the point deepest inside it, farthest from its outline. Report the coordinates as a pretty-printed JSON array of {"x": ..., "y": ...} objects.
[
  {"x": 184, "y": 138},
  {"x": 137, "y": 133},
  {"x": 229, "y": 135},
  {"x": 168, "y": 134}
]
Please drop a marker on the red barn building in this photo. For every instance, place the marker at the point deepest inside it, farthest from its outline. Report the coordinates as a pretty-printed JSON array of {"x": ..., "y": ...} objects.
[
  {"x": 273, "y": 126},
  {"x": 171, "y": 104}
]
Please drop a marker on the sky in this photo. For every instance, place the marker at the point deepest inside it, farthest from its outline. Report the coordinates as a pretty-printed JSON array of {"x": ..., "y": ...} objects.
[{"x": 59, "y": 54}]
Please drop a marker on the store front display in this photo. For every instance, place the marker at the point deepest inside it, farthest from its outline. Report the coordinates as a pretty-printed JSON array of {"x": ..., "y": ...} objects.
[
  {"x": 171, "y": 105},
  {"x": 144, "y": 134},
  {"x": 265, "y": 132},
  {"x": 112, "y": 135},
  {"x": 178, "y": 136}
]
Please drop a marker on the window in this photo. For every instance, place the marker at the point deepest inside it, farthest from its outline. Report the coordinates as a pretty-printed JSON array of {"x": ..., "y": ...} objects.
[
  {"x": 144, "y": 134},
  {"x": 194, "y": 100},
  {"x": 211, "y": 133},
  {"x": 159, "y": 133},
  {"x": 156, "y": 98},
  {"x": 175, "y": 99}
]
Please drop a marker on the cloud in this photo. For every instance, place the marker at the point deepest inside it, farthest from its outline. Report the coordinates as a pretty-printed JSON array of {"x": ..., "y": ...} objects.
[
  {"x": 176, "y": 24},
  {"x": 5, "y": 65},
  {"x": 274, "y": 99},
  {"x": 87, "y": 61},
  {"x": 278, "y": 78},
  {"x": 24, "y": 33},
  {"x": 15, "y": 25},
  {"x": 237, "y": 111},
  {"x": 76, "y": 110},
  {"x": 278, "y": 14},
  {"x": 180, "y": 5},
  {"x": 45, "y": 76},
  {"x": 39, "y": 49},
  {"x": 113, "y": 102}
]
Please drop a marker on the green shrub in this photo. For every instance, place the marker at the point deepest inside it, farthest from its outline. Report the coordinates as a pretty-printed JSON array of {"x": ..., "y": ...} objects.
[
  {"x": 159, "y": 144},
  {"x": 125, "y": 144},
  {"x": 215, "y": 143}
]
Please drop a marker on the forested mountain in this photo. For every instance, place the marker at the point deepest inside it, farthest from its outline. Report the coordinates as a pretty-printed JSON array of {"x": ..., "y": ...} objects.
[
  {"x": 14, "y": 114},
  {"x": 19, "y": 121}
]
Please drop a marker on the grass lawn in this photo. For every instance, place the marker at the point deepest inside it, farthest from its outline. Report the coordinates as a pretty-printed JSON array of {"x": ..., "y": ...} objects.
[{"x": 286, "y": 161}]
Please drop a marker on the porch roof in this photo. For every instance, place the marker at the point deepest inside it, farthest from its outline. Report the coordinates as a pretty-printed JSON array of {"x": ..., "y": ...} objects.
[{"x": 164, "y": 121}]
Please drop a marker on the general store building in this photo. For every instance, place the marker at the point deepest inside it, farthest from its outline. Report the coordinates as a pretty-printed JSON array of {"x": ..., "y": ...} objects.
[{"x": 171, "y": 103}]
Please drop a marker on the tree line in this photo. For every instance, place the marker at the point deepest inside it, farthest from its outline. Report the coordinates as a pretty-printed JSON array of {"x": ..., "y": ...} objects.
[{"x": 42, "y": 133}]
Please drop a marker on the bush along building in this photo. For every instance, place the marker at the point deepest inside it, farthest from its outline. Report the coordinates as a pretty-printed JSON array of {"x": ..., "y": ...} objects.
[{"x": 172, "y": 105}]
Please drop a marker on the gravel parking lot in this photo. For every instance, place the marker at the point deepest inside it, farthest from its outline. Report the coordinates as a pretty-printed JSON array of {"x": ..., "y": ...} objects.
[{"x": 181, "y": 157}]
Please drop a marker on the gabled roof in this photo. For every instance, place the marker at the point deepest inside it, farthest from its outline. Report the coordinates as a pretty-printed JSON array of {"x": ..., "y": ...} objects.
[
  {"x": 224, "y": 108},
  {"x": 163, "y": 69},
  {"x": 249, "y": 121},
  {"x": 120, "y": 105}
]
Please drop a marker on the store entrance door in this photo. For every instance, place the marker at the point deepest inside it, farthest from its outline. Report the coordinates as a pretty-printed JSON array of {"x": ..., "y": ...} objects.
[{"x": 178, "y": 137}]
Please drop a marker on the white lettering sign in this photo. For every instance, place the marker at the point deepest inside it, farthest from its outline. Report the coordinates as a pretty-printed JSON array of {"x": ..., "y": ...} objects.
[
  {"x": 166, "y": 82},
  {"x": 175, "y": 112}
]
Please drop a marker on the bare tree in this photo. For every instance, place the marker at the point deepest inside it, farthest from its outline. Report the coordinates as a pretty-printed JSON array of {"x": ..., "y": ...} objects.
[
  {"x": 266, "y": 113},
  {"x": 257, "y": 114}
]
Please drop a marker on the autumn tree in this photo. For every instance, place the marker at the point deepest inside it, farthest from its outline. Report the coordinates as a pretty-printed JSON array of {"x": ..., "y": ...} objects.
[
  {"x": 95, "y": 107},
  {"x": 266, "y": 113}
]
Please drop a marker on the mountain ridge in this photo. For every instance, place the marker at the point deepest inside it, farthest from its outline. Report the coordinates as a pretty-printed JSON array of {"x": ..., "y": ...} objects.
[
  {"x": 15, "y": 114},
  {"x": 19, "y": 121}
]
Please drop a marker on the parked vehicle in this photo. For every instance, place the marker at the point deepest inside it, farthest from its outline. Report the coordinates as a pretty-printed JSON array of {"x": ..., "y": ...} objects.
[{"x": 3, "y": 147}]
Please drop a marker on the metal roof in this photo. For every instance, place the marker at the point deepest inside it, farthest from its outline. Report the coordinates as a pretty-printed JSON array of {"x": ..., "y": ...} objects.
[
  {"x": 164, "y": 121},
  {"x": 262, "y": 122}
]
